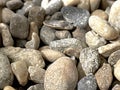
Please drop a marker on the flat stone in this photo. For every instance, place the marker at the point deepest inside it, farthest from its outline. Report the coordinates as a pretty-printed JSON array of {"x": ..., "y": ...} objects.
[
  {"x": 9, "y": 88},
  {"x": 77, "y": 16},
  {"x": 19, "y": 26},
  {"x": 36, "y": 87},
  {"x": 70, "y": 2},
  {"x": 87, "y": 83}
]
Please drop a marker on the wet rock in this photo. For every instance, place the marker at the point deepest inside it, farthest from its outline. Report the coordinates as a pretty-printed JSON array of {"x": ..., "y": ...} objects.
[
  {"x": 101, "y": 26},
  {"x": 116, "y": 69},
  {"x": 58, "y": 24},
  {"x": 6, "y": 75},
  {"x": 57, "y": 16},
  {"x": 51, "y": 55},
  {"x": 94, "y": 40},
  {"x": 77, "y": 16},
  {"x": 20, "y": 43},
  {"x": 90, "y": 60},
  {"x": 87, "y": 83},
  {"x": 19, "y": 69},
  {"x": 70, "y": 2},
  {"x": 19, "y": 26},
  {"x": 36, "y": 87},
  {"x": 36, "y": 14},
  {"x": 9, "y": 88},
  {"x": 116, "y": 87},
  {"x": 34, "y": 42},
  {"x": 7, "y": 14},
  {"x": 36, "y": 74},
  {"x": 47, "y": 34},
  {"x": 104, "y": 80},
  {"x": 14, "y": 4},
  {"x": 61, "y": 75},
  {"x": 94, "y": 4},
  {"x": 6, "y": 36},
  {"x": 37, "y": 2}
]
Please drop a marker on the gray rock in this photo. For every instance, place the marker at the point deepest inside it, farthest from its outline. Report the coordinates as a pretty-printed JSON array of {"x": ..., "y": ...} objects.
[
  {"x": 37, "y": 2},
  {"x": 116, "y": 87},
  {"x": 57, "y": 16},
  {"x": 19, "y": 26},
  {"x": 87, "y": 83},
  {"x": 6, "y": 75},
  {"x": 20, "y": 43},
  {"x": 47, "y": 34},
  {"x": 77, "y": 16},
  {"x": 36, "y": 87},
  {"x": 90, "y": 60}
]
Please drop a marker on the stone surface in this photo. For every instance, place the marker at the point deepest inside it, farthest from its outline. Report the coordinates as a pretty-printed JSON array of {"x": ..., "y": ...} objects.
[
  {"x": 87, "y": 83},
  {"x": 116, "y": 87},
  {"x": 57, "y": 16},
  {"x": 36, "y": 74},
  {"x": 19, "y": 26},
  {"x": 116, "y": 70},
  {"x": 36, "y": 14},
  {"x": 14, "y": 4},
  {"x": 90, "y": 60},
  {"x": 61, "y": 75},
  {"x": 0, "y": 14},
  {"x": 93, "y": 40},
  {"x": 7, "y": 14},
  {"x": 20, "y": 43},
  {"x": 6, "y": 35},
  {"x": 37, "y": 2},
  {"x": 6, "y": 75},
  {"x": 101, "y": 26},
  {"x": 77, "y": 16},
  {"x": 3, "y": 2},
  {"x": 36, "y": 87},
  {"x": 104, "y": 77},
  {"x": 51, "y": 55},
  {"x": 108, "y": 49},
  {"x": 34, "y": 42},
  {"x": 70, "y": 2},
  {"x": 47, "y": 34},
  {"x": 9, "y": 88},
  {"x": 94, "y": 4}
]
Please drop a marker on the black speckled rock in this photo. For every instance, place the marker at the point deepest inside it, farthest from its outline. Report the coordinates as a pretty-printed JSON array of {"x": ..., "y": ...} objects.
[
  {"x": 77, "y": 16},
  {"x": 87, "y": 83}
]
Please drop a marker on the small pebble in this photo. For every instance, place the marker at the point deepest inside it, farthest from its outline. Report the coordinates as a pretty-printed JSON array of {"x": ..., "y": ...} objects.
[
  {"x": 36, "y": 87},
  {"x": 90, "y": 60},
  {"x": 116, "y": 70},
  {"x": 19, "y": 26},
  {"x": 87, "y": 83},
  {"x": 104, "y": 77},
  {"x": 116, "y": 87},
  {"x": 9, "y": 88},
  {"x": 101, "y": 26},
  {"x": 94, "y": 4},
  {"x": 70, "y": 2}
]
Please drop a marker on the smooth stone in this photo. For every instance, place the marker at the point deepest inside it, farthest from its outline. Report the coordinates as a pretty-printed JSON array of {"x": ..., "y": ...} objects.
[
  {"x": 57, "y": 16},
  {"x": 9, "y": 88},
  {"x": 116, "y": 87},
  {"x": 37, "y": 2},
  {"x": 77, "y": 16},
  {"x": 36, "y": 87},
  {"x": 3, "y": 3},
  {"x": 19, "y": 26},
  {"x": 94, "y": 4},
  {"x": 116, "y": 69},
  {"x": 70, "y": 2}
]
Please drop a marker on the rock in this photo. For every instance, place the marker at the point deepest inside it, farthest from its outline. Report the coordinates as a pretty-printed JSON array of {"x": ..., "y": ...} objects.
[
  {"x": 77, "y": 16},
  {"x": 101, "y": 26},
  {"x": 61, "y": 75},
  {"x": 36, "y": 74},
  {"x": 44, "y": 3},
  {"x": 116, "y": 87},
  {"x": 57, "y": 16},
  {"x": 36, "y": 87},
  {"x": 34, "y": 42},
  {"x": 51, "y": 55},
  {"x": 87, "y": 83},
  {"x": 104, "y": 77},
  {"x": 6, "y": 35},
  {"x": 70, "y": 2},
  {"x": 19, "y": 69},
  {"x": 94, "y": 4},
  {"x": 114, "y": 57},
  {"x": 8, "y": 88},
  {"x": 100, "y": 13},
  {"x": 19, "y": 26},
  {"x": 93, "y": 40},
  {"x": 114, "y": 15},
  {"x": 90, "y": 60},
  {"x": 0, "y": 14},
  {"x": 7, "y": 14},
  {"x": 58, "y": 24},
  {"x": 3, "y": 3},
  {"x": 20, "y": 43},
  {"x": 116, "y": 69},
  {"x": 63, "y": 34},
  {"x": 47, "y": 34},
  {"x": 33, "y": 28},
  {"x": 37, "y": 2},
  {"x": 14, "y": 4},
  {"x": 44, "y": 47},
  {"x": 6, "y": 75},
  {"x": 36, "y": 14},
  {"x": 108, "y": 49}
]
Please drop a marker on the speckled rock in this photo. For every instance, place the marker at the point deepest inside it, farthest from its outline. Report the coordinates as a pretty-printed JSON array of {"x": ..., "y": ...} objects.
[
  {"x": 77, "y": 16},
  {"x": 51, "y": 55},
  {"x": 90, "y": 60},
  {"x": 101, "y": 26},
  {"x": 6, "y": 75},
  {"x": 104, "y": 77},
  {"x": 14, "y": 4},
  {"x": 70, "y": 2},
  {"x": 19, "y": 27},
  {"x": 47, "y": 34},
  {"x": 7, "y": 14},
  {"x": 36, "y": 87},
  {"x": 36, "y": 14},
  {"x": 9, "y": 88},
  {"x": 116, "y": 87},
  {"x": 116, "y": 69},
  {"x": 94, "y": 4},
  {"x": 6, "y": 35},
  {"x": 87, "y": 83},
  {"x": 61, "y": 75},
  {"x": 36, "y": 74}
]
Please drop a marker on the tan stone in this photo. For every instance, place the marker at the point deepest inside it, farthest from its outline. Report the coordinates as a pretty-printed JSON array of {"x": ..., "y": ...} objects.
[
  {"x": 9, "y": 88},
  {"x": 116, "y": 87},
  {"x": 94, "y": 4},
  {"x": 116, "y": 70},
  {"x": 70, "y": 2}
]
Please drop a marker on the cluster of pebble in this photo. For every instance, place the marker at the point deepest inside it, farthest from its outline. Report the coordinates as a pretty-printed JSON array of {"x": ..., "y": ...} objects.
[{"x": 59, "y": 44}]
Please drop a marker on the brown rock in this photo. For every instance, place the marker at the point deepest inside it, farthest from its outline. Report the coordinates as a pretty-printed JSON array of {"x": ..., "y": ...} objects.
[
  {"x": 116, "y": 87},
  {"x": 9, "y": 88},
  {"x": 70, "y": 2},
  {"x": 94, "y": 4}
]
